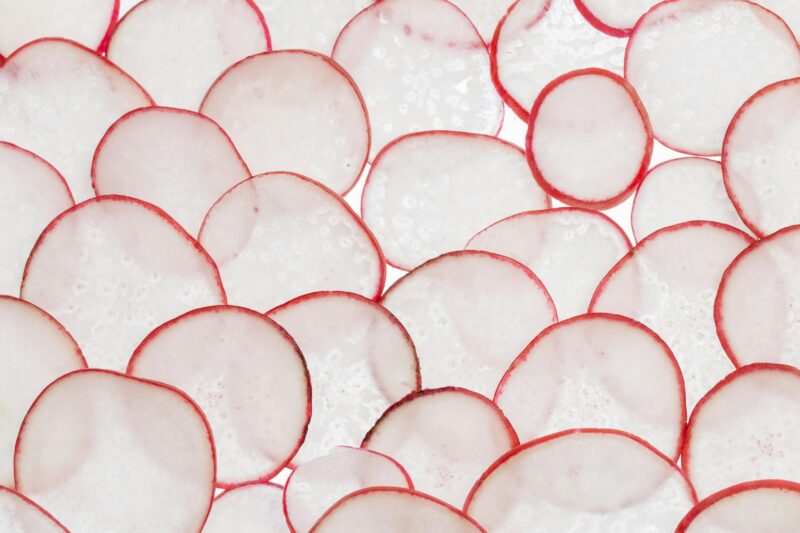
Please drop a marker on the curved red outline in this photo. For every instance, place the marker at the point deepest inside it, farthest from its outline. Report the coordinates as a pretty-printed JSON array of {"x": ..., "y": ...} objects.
[
  {"x": 101, "y": 48},
  {"x": 39, "y": 159},
  {"x": 598, "y": 24},
  {"x": 35, "y": 505}
]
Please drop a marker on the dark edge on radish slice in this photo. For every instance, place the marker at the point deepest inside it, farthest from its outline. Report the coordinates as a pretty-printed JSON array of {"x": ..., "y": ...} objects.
[
  {"x": 247, "y": 484},
  {"x": 101, "y": 48},
  {"x": 599, "y": 24},
  {"x": 45, "y": 162},
  {"x": 35, "y": 506}
]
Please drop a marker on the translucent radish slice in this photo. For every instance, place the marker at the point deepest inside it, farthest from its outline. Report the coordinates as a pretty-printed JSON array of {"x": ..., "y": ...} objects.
[
  {"x": 59, "y": 98},
  {"x": 113, "y": 268},
  {"x": 745, "y": 429},
  {"x": 361, "y": 361},
  {"x": 294, "y": 111},
  {"x": 248, "y": 377},
  {"x": 570, "y": 249},
  {"x": 680, "y": 40},
  {"x": 788, "y": 10},
  {"x": 470, "y": 314},
  {"x": 428, "y": 193},
  {"x": 485, "y": 14},
  {"x": 130, "y": 452},
  {"x": 668, "y": 282},
  {"x": 582, "y": 480},
  {"x": 18, "y": 514},
  {"x": 421, "y": 65},
  {"x": 176, "y": 49},
  {"x": 248, "y": 508},
  {"x": 614, "y": 17}
]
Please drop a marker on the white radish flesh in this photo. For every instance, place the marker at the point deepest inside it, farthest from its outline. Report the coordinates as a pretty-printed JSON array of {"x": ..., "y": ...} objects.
[
  {"x": 788, "y": 10},
  {"x": 614, "y": 17},
  {"x": 248, "y": 508},
  {"x": 18, "y": 514},
  {"x": 484, "y": 14}
]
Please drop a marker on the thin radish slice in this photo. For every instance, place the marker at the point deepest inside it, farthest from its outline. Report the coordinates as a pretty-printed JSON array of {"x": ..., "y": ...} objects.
[
  {"x": 130, "y": 452},
  {"x": 484, "y": 14},
  {"x": 692, "y": 77},
  {"x": 361, "y": 361},
  {"x": 294, "y": 111},
  {"x": 248, "y": 508},
  {"x": 470, "y": 314},
  {"x": 428, "y": 193},
  {"x": 421, "y": 65},
  {"x": 18, "y": 514},
  {"x": 668, "y": 282},
  {"x": 246, "y": 374},
  {"x": 570, "y": 249},
  {"x": 176, "y": 48},
  {"x": 581, "y": 480},
  {"x": 745, "y": 429},
  {"x": 59, "y": 98},
  {"x": 113, "y": 268},
  {"x": 278, "y": 236},
  {"x": 788, "y": 10},
  {"x": 614, "y": 17}
]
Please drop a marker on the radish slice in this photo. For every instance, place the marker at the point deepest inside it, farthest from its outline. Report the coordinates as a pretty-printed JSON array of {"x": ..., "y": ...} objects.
[
  {"x": 113, "y": 268},
  {"x": 484, "y": 14},
  {"x": 294, "y": 111},
  {"x": 444, "y": 438},
  {"x": 614, "y": 17},
  {"x": 361, "y": 361},
  {"x": 589, "y": 140},
  {"x": 176, "y": 49},
  {"x": 788, "y": 10},
  {"x": 668, "y": 282},
  {"x": 58, "y": 100},
  {"x": 18, "y": 514},
  {"x": 428, "y": 193},
  {"x": 315, "y": 486},
  {"x": 470, "y": 314},
  {"x": 248, "y": 508},
  {"x": 746, "y": 428},
  {"x": 581, "y": 480},
  {"x": 130, "y": 452},
  {"x": 421, "y": 65},
  {"x": 248, "y": 377},
  {"x": 597, "y": 370},
  {"x": 570, "y": 249},
  {"x": 692, "y": 77}
]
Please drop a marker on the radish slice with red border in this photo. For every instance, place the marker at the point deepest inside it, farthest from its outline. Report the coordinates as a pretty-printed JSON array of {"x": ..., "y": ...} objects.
[
  {"x": 614, "y": 17},
  {"x": 18, "y": 514},
  {"x": 484, "y": 14},
  {"x": 248, "y": 508},
  {"x": 123, "y": 445},
  {"x": 788, "y": 10}
]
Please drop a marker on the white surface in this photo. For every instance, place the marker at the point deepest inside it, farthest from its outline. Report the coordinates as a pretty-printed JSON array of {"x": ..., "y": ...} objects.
[{"x": 251, "y": 508}]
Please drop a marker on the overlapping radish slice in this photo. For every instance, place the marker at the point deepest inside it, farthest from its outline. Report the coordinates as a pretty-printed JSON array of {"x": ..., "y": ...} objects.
[
  {"x": 246, "y": 374},
  {"x": 131, "y": 453},
  {"x": 294, "y": 111},
  {"x": 113, "y": 268},
  {"x": 361, "y": 361},
  {"x": 248, "y": 508},
  {"x": 428, "y": 193},
  {"x": 484, "y": 14},
  {"x": 679, "y": 42},
  {"x": 421, "y": 65},
  {"x": 788, "y": 10},
  {"x": 614, "y": 17},
  {"x": 18, "y": 514},
  {"x": 59, "y": 98},
  {"x": 470, "y": 314},
  {"x": 570, "y": 249}
]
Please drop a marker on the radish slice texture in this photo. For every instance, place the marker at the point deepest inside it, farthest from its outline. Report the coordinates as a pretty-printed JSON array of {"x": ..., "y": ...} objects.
[
  {"x": 248, "y": 508},
  {"x": 246, "y": 374},
  {"x": 113, "y": 268},
  {"x": 428, "y": 193},
  {"x": 361, "y": 361},
  {"x": 294, "y": 111},
  {"x": 484, "y": 14},
  {"x": 151, "y": 437},
  {"x": 679, "y": 40},
  {"x": 788, "y": 10},
  {"x": 614, "y": 17},
  {"x": 18, "y": 514}
]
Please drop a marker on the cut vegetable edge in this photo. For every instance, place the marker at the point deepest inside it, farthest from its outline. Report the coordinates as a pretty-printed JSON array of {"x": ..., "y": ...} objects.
[
  {"x": 30, "y": 503},
  {"x": 43, "y": 161},
  {"x": 595, "y": 21},
  {"x": 101, "y": 49}
]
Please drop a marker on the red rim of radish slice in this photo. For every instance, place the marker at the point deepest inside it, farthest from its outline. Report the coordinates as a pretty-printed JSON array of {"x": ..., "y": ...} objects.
[
  {"x": 111, "y": 25},
  {"x": 35, "y": 506},
  {"x": 45, "y": 163},
  {"x": 595, "y": 21}
]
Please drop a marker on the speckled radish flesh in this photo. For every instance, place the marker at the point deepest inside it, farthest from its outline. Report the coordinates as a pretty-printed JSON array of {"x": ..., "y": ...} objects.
[
  {"x": 129, "y": 452},
  {"x": 177, "y": 48},
  {"x": 428, "y": 193},
  {"x": 692, "y": 77},
  {"x": 18, "y": 514},
  {"x": 614, "y": 17},
  {"x": 113, "y": 268},
  {"x": 484, "y": 14},
  {"x": 360, "y": 358},
  {"x": 294, "y": 111},
  {"x": 570, "y": 249},
  {"x": 421, "y": 65},
  {"x": 248, "y": 508},
  {"x": 58, "y": 100}
]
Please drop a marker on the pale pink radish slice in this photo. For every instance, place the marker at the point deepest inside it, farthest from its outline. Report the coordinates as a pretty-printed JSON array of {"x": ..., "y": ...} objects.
[
  {"x": 248, "y": 508},
  {"x": 428, "y": 193},
  {"x": 421, "y": 65},
  {"x": 18, "y": 514},
  {"x": 569, "y": 248},
  {"x": 113, "y": 268},
  {"x": 361, "y": 361},
  {"x": 614, "y": 17},
  {"x": 470, "y": 314},
  {"x": 788, "y": 10},
  {"x": 130, "y": 452},
  {"x": 278, "y": 236},
  {"x": 294, "y": 111},
  {"x": 484, "y": 14},
  {"x": 692, "y": 77},
  {"x": 59, "y": 98}
]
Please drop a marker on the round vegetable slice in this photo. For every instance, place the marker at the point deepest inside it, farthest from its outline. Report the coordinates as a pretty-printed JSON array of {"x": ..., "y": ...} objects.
[
  {"x": 614, "y": 17},
  {"x": 18, "y": 514},
  {"x": 248, "y": 508},
  {"x": 788, "y": 10},
  {"x": 485, "y": 14}
]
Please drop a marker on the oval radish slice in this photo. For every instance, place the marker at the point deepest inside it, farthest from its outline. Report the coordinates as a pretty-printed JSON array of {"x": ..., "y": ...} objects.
[
  {"x": 614, "y": 17},
  {"x": 18, "y": 514},
  {"x": 113, "y": 268},
  {"x": 124, "y": 443},
  {"x": 427, "y": 193},
  {"x": 248, "y": 508},
  {"x": 294, "y": 111}
]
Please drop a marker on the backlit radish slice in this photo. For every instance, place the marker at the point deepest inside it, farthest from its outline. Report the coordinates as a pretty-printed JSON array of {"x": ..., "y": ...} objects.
[
  {"x": 470, "y": 314},
  {"x": 788, "y": 10},
  {"x": 692, "y": 77},
  {"x": 18, "y": 514},
  {"x": 428, "y": 193},
  {"x": 485, "y": 14},
  {"x": 113, "y": 268},
  {"x": 614, "y": 17},
  {"x": 294, "y": 111},
  {"x": 248, "y": 508},
  {"x": 130, "y": 452}
]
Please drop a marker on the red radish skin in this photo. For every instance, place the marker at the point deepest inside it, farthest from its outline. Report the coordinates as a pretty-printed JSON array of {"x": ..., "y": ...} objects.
[
  {"x": 247, "y": 508},
  {"x": 788, "y": 10},
  {"x": 614, "y": 17},
  {"x": 20, "y": 514}
]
